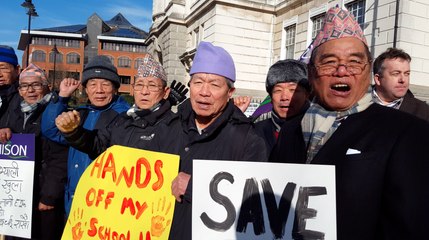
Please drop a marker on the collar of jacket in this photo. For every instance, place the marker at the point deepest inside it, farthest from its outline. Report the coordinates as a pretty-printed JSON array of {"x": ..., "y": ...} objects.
[
  {"x": 118, "y": 104},
  {"x": 230, "y": 114},
  {"x": 152, "y": 118},
  {"x": 8, "y": 90}
]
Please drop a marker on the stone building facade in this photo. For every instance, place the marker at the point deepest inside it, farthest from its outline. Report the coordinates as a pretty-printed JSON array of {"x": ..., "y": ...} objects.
[{"x": 258, "y": 33}]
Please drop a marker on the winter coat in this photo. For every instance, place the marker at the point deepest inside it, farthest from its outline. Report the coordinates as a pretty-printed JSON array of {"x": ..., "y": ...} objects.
[
  {"x": 230, "y": 137},
  {"x": 91, "y": 118},
  {"x": 9, "y": 99},
  {"x": 414, "y": 106},
  {"x": 50, "y": 172},
  {"x": 381, "y": 189},
  {"x": 267, "y": 131},
  {"x": 142, "y": 132}
]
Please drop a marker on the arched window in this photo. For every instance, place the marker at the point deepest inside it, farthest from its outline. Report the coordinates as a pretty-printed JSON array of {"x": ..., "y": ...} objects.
[
  {"x": 73, "y": 58},
  {"x": 38, "y": 56},
  {"x": 58, "y": 56},
  {"x": 124, "y": 62},
  {"x": 138, "y": 62}
]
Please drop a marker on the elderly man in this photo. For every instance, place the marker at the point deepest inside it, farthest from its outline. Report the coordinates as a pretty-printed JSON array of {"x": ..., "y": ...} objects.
[
  {"x": 50, "y": 158},
  {"x": 288, "y": 87},
  {"x": 392, "y": 81},
  {"x": 9, "y": 72},
  {"x": 101, "y": 81},
  {"x": 380, "y": 156},
  {"x": 139, "y": 127},
  {"x": 212, "y": 127}
]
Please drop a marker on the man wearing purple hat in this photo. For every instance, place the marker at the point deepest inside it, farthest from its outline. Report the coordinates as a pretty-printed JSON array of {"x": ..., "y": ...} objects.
[
  {"x": 212, "y": 127},
  {"x": 9, "y": 72},
  {"x": 380, "y": 157}
]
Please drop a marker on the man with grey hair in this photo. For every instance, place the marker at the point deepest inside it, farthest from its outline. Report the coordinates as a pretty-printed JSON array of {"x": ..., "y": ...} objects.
[{"x": 212, "y": 127}]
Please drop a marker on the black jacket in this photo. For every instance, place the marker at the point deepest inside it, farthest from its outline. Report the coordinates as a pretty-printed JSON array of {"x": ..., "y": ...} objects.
[
  {"x": 50, "y": 159},
  {"x": 9, "y": 99},
  {"x": 143, "y": 132},
  {"x": 230, "y": 137},
  {"x": 381, "y": 191},
  {"x": 415, "y": 107}
]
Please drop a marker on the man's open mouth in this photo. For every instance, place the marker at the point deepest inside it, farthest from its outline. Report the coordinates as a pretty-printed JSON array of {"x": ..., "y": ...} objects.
[{"x": 341, "y": 87}]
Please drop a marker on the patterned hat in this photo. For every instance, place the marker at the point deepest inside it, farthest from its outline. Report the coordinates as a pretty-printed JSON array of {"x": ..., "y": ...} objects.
[
  {"x": 33, "y": 71},
  {"x": 151, "y": 68},
  {"x": 338, "y": 23}
]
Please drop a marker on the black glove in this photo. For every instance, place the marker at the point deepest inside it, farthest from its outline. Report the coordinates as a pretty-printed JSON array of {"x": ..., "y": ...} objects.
[{"x": 177, "y": 93}]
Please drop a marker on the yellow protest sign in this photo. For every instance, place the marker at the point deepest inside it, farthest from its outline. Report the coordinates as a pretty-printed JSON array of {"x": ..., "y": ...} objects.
[{"x": 124, "y": 194}]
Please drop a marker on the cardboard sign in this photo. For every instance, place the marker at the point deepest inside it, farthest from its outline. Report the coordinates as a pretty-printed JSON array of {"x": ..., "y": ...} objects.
[
  {"x": 255, "y": 200},
  {"x": 16, "y": 185},
  {"x": 124, "y": 194}
]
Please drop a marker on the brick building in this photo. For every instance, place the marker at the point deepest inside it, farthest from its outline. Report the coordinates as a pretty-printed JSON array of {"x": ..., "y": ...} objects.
[
  {"x": 258, "y": 33},
  {"x": 66, "y": 49}
]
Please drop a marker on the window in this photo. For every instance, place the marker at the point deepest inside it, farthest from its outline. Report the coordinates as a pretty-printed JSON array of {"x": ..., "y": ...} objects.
[
  {"x": 73, "y": 58},
  {"x": 290, "y": 41},
  {"x": 124, "y": 62},
  {"x": 125, "y": 79},
  {"x": 58, "y": 56},
  {"x": 357, "y": 8},
  {"x": 38, "y": 56},
  {"x": 138, "y": 62},
  {"x": 317, "y": 24},
  {"x": 197, "y": 35}
]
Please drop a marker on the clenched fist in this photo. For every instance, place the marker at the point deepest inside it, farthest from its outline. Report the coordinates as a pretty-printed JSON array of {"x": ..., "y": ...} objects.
[{"x": 68, "y": 121}]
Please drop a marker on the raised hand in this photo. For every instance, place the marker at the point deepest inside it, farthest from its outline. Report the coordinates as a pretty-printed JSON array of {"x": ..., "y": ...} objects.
[
  {"x": 68, "y": 86},
  {"x": 242, "y": 102},
  {"x": 177, "y": 93}
]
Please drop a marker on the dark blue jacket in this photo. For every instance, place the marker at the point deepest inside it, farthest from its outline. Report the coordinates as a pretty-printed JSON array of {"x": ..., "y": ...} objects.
[{"x": 91, "y": 118}]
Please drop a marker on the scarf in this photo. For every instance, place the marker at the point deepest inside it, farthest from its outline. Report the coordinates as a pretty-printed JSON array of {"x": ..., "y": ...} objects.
[
  {"x": 136, "y": 113},
  {"x": 394, "y": 104},
  {"x": 29, "y": 108},
  {"x": 318, "y": 124},
  {"x": 277, "y": 121}
]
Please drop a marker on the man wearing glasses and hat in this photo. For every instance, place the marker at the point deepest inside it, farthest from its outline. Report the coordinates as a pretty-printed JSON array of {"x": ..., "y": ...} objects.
[
  {"x": 139, "y": 127},
  {"x": 380, "y": 157}
]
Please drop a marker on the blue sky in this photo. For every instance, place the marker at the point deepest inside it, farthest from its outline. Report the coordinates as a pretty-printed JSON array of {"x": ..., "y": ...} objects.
[{"x": 55, "y": 13}]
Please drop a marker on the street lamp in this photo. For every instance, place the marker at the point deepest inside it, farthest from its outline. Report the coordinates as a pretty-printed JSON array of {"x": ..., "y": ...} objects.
[
  {"x": 31, "y": 12},
  {"x": 55, "y": 50}
]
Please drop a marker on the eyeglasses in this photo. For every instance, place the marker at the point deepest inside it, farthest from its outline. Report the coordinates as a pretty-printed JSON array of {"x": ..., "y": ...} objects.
[
  {"x": 35, "y": 86},
  {"x": 329, "y": 68},
  {"x": 151, "y": 87}
]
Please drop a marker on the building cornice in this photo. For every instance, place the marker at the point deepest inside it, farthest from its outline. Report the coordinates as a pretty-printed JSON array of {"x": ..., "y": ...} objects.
[
  {"x": 121, "y": 39},
  {"x": 56, "y": 34},
  {"x": 23, "y": 40}
]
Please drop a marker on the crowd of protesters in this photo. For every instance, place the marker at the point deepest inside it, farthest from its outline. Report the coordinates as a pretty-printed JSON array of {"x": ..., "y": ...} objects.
[{"x": 324, "y": 111}]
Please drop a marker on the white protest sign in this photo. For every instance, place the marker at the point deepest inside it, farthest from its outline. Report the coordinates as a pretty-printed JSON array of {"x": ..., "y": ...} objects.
[
  {"x": 16, "y": 185},
  {"x": 256, "y": 200}
]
